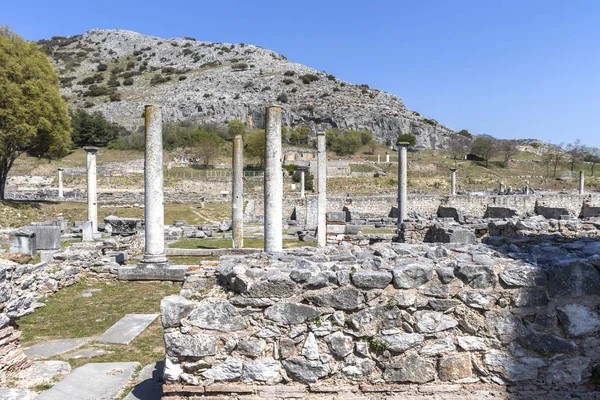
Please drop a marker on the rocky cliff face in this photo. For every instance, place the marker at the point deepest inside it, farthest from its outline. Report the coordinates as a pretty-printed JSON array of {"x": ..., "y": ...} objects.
[{"x": 216, "y": 82}]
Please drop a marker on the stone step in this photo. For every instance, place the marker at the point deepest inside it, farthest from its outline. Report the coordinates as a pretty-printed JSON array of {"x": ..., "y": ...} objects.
[
  {"x": 54, "y": 347},
  {"x": 99, "y": 381},
  {"x": 149, "y": 386},
  {"x": 127, "y": 328}
]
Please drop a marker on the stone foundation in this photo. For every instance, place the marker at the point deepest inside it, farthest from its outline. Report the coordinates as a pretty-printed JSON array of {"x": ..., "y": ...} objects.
[{"x": 426, "y": 316}]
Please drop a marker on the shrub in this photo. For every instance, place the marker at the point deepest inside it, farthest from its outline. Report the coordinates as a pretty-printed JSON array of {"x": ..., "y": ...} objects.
[
  {"x": 465, "y": 133},
  {"x": 158, "y": 79},
  {"x": 308, "y": 179},
  {"x": 88, "y": 81},
  {"x": 115, "y": 96},
  {"x": 97, "y": 90},
  {"x": 283, "y": 98},
  {"x": 102, "y": 67},
  {"x": 331, "y": 77},
  {"x": 289, "y": 73},
  {"x": 207, "y": 95},
  {"x": 308, "y": 78},
  {"x": 113, "y": 82},
  {"x": 266, "y": 88},
  {"x": 130, "y": 64},
  {"x": 128, "y": 81},
  {"x": 116, "y": 71},
  {"x": 168, "y": 70},
  {"x": 239, "y": 66},
  {"x": 430, "y": 121},
  {"x": 182, "y": 77},
  {"x": 407, "y": 137},
  {"x": 288, "y": 81}
]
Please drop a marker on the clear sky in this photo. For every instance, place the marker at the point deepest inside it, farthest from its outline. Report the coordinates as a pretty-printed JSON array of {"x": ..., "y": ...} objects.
[{"x": 511, "y": 69}]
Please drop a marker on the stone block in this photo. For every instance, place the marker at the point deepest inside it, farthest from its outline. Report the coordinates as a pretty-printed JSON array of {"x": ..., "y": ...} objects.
[
  {"x": 22, "y": 241},
  {"x": 122, "y": 226},
  {"x": 336, "y": 216},
  {"x": 46, "y": 237}
]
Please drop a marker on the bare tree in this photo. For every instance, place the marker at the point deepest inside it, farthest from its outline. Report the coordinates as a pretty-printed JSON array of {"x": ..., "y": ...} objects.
[
  {"x": 592, "y": 156},
  {"x": 575, "y": 153},
  {"x": 508, "y": 148},
  {"x": 207, "y": 150},
  {"x": 485, "y": 147},
  {"x": 459, "y": 147},
  {"x": 553, "y": 156}
]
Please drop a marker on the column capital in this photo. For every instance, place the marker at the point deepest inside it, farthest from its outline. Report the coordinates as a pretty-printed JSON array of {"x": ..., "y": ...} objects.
[
  {"x": 91, "y": 149},
  {"x": 453, "y": 169},
  {"x": 403, "y": 144},
  {"x": 273, "y": 106},
  {"x": 61, "y": 169}
]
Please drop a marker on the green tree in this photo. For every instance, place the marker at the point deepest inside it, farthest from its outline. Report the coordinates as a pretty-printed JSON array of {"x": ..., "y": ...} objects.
[
  {"x": 33, "y": 116},
  {"x": 255, "y": 145},
  {"x": 485, "y": 147},
  {"x": 235, "y": 127},
  {"x": 93, "y": 129},
  {"x": 408, "y": 138}
]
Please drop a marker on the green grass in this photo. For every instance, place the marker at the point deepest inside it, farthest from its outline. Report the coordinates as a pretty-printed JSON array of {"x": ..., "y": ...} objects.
[
  {"x": 221, "y": 243},
  {"x": 68, "y": 316},
  {"x": 361, "y": 168}
]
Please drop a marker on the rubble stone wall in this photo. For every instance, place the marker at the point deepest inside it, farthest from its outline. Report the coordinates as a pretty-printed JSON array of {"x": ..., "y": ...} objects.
[{"x": 391, "y": 314}]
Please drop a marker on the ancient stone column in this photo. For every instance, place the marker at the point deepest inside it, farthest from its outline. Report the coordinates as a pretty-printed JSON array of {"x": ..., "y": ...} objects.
[
  {"x": 502, "y": 187},
  {"x": 378, "y": 158},
  {"x": 154, "y": 211},
  {"x": 581, "y": 183},
  {"x": 92, "y": 196},
  {"x": 322, "y": 189},
  {"x": 453, "y": 182},
  {"x": 302, "y": 170},
  {"x": 402, "y": 183},
  {"x": 387, "y": 157},
  {"x": 273, "y": 201},
  {"x": 237, "y": 194},
  {"x": 60, "y": 183}
]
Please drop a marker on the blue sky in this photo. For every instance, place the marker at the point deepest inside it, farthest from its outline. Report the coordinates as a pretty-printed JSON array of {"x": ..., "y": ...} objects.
[{"x": 511, "y": 69}]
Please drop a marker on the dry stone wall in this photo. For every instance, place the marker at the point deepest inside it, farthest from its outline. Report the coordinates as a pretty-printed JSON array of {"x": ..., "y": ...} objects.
[{"x": 504, "y": 313}]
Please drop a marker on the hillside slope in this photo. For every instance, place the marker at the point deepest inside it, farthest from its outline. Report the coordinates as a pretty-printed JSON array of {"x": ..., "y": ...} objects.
[{"x": 215, "y": 82}]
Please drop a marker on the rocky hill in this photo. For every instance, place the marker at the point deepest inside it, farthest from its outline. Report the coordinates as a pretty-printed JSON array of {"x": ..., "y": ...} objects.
[{"x": 118, "y": 72}]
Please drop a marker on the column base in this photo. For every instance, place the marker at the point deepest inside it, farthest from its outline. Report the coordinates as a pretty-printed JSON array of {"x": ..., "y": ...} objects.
[{"x": 155, "y": 259}]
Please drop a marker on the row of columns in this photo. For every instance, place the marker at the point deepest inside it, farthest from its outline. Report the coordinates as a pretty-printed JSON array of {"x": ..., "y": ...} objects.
[{"x": 154, "y": 252}]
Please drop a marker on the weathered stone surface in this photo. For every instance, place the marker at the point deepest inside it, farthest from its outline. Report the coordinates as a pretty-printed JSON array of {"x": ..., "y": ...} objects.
[
  {"x": 54, "y": 347},
  {"x": 347, "y": 299},
  {"x": 523, "y": 275},
  {"x": 310, "y": 349},
  {"x": 92, "y": 381},
  {"x": 411, "y": 275},
  {"x": 505, "y": 325},
  {"x": 173, "y": 309},
  {"x": 478, "y": 299},
  {"x": 339, "y": 344},
  {"x": 578, "y": 319},
  {"x": 567, "y": 371},
  {"x": 476, "y": 276},
  {"x": 291, "y": 313},
  {"x": 546, "y": 344},
  {"x": 369, "y": 321},
  {"x": 265, "y": 370},
  {"x": 276, "y": 286},
  {"x": 405, "y": 300},
  {"x": 229, "y": 370},
  {"x": 371, "y": 279},
  {"x": 472, "y": 343},
  {"x": 445, "y": 274},
  {"x": 509, "y": 367},
  {"x": 531, "y": 298},
  {"x": 220, "y": 316},
  {"x": 438, "y": 346},
  {"x": 225, "y": 225},
  {"x": 127, "y": 328},
  {"x": 573, "y": 279},
  {"x": 401, "y": 342},
  {"x": 433, "y": 321},
  {"x": 16, "y": 394},
  {"x": 305, "y": 371},
  {"x": 196, "y": 345},
  {"x": 409, "y": 369},
  {"x": 455, "y": 366},
  {"x": 251, "y": 347}
]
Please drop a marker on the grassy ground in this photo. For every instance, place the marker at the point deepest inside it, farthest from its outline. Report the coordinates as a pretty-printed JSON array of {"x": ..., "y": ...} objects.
[
  {"x": 68, "y": 316},
  {"x": 219, "y": 243},
  {"x": 14, "y": 214}
]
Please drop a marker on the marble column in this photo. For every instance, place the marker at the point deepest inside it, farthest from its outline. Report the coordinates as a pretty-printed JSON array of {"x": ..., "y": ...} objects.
[
  {"x": 92, "y": 194},
  {"x": 378, "y": 158},
  {"x": 402, "y": 183},
  {"x": 154, "y": 211},
  {"x": 453, "y": 182},
  {"x": 60, "y": 183},
  {"x": 581, "y": 183},
  {"x": 322, "y": 190},
  {"x": 387, "y": 157},
  {"x": 273, "y": 191},
  {"x": 237, "y": 194}
]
